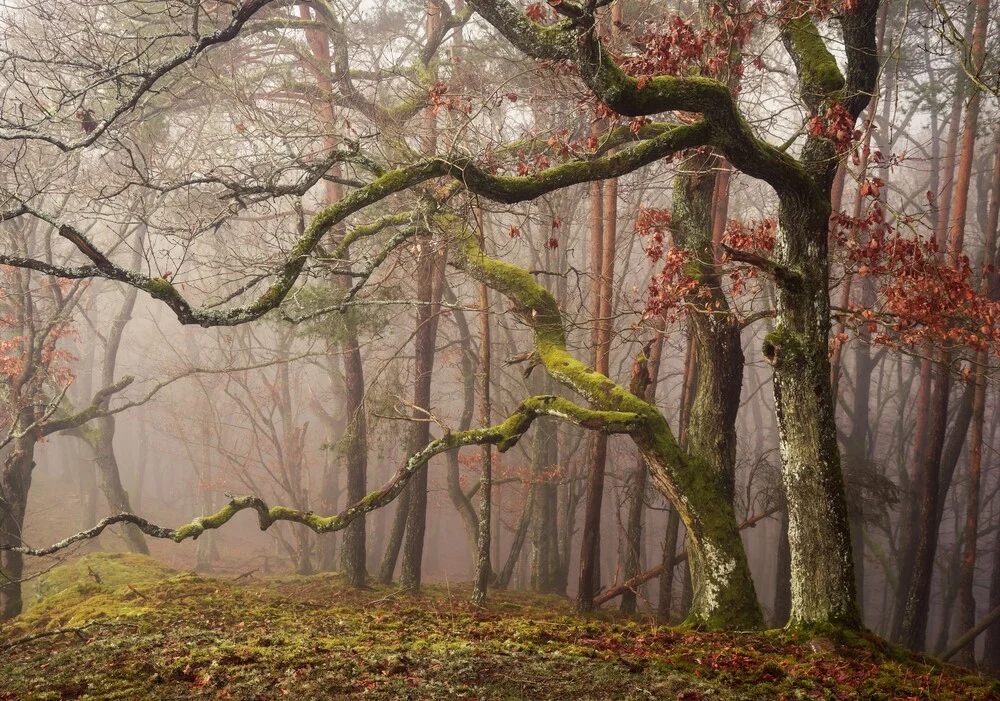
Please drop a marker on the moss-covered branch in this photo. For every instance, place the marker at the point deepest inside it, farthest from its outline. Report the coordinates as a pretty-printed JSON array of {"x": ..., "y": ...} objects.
[
  {"x": 504, "y": 436},
  {"x": 463, "y": 169},
  {"x": 819, "y": 75},
  {"x": 713, "y": 99},
  {"x": 52, "y": 422}
]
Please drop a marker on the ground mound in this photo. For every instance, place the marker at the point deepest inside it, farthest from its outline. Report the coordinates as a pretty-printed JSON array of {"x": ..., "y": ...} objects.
[{"x": 116, "y": 626}]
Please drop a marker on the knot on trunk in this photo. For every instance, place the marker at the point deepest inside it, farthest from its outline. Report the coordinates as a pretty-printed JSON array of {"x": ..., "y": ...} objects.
[{"x": 780, "y": 346}]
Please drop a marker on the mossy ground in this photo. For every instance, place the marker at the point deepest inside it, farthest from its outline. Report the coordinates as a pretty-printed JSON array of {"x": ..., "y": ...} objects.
[{"x": 163, "y": 634}]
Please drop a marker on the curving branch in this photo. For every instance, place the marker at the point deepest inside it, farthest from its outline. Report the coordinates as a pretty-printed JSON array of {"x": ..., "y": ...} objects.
[
  {"x": 506, "y": 189},
  {"x": 713, "y": 99},
  {"x": 783, "y": 275},
  {"x": 46, "y": 425},
  {"x": 242, "y": 13},
  {"x": 505, "y": 436}
]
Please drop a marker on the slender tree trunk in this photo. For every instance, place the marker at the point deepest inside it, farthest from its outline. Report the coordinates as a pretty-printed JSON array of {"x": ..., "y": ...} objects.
[
  {"x": 991, "y": 660},
  {"x": 104, "y": 437},
  {"x": 430, "y": 270},
  {"x": 666, "y": 580},
  {"x": 988, "y": 287},
  {"x": 430, "y": 285},
  {"x": 689, "y": 383},
  {"x": 637, "y": 496},
  {"x": 207, "y": 552},
  {"x": 948, "y": 597},
  {"x": 590, "y": 546},
  {"x": 468, "y": 364},
  {"x": 545, "y": 542},
  {"x": 394, "y": 542},
  {"x": 483, "y": 569},
  {"x": 353, "y": 556},
  {"x": 520, "y": 537},
  {"x": 914, "y": 622},
  {"x": 15, "y": 482},
  {"x": 354, "y": 552}
]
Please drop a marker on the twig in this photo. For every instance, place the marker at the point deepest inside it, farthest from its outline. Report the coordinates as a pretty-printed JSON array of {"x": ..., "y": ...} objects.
[{"x": 60, "y": 631}]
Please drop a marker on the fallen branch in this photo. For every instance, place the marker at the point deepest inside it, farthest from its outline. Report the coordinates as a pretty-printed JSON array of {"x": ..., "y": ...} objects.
[
  {"x": 640, "y": 579},
  {"x": 60, "y": 631},
  {"x": 973, "y": 633}
]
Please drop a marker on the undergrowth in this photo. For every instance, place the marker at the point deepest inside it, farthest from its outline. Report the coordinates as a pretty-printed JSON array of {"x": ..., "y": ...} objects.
[{"x": 148, "y": 632}]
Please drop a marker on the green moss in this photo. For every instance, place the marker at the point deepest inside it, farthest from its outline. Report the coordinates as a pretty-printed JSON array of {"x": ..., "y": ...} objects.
[
  {"x": 783, "y": 345},
  {"x": 114, "y": 570},
  {"x": 692, "y": 269},
  {"x": 315, "y": 638},
  {"x": 160, "y": 288},
  {"x": 818, "y": 67}
]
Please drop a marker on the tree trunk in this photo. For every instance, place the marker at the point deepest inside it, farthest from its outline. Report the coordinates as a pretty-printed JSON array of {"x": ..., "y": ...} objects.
[
  {"x": 430, "y": 284},
  {"x": 104, "y": 437},
  {"x": 666, "y": 593},
  {"x": 590, "y": 545},
  {"x": 545, "y": 537},
  {"x": 637, "y": 491},
  {"x": 520, "y": 536},
  {"x": 822, "y": 568},
  {"x": 991, "y": 660},
  {"x": 394, "y": 542},
  {"x": 468, "y": 365},
  {"x": 914, "y": 622},
  {"x": 987, "y": 286},
  {"x": 688, "y": 385},
  {"x": 354, "y": 552},
  {"x": 783, "y": 576},
  {"x": 15, "y": 481},
  {"x": 724, "y": 594},
  {"x": 483, "y": 569}
]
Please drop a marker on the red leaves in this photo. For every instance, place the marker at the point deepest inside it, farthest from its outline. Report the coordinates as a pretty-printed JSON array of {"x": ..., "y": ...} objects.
[
  {"x": 756, "y": 236},
  {"x": 837, "y": 126},
  {"x": 536, "y": 11},
  {"x": 674, "y": 45},
  {"x": 440, "y": 98},
  {"x": 920, "y": 297},
  {"x": 667, "y": 288},
  {"x": 872, "y": 188}
]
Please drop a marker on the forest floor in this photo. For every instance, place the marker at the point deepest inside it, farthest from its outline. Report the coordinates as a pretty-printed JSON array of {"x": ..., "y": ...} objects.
[{"x": 145, "y": 631}]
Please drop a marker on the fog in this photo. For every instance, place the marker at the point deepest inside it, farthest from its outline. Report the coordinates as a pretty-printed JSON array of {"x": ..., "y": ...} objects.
[{"x": 208, "y": 229}]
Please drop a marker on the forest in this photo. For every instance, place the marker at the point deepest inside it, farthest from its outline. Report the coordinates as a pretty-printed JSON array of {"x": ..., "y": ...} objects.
[{"x": 499, "y": 349}]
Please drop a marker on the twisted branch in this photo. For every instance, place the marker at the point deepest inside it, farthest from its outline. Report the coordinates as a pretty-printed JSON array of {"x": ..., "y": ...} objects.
[{"x": 505, "y": 436}]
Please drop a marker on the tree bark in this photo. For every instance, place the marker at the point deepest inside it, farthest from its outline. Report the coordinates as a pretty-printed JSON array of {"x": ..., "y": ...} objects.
[
  {"x": 989, "y": 289},
  {"x": 483, "y": 569},
  {"x": 591, "y": 541},
  {"x": 15, "y": 482},
  {"x": 637, "y": 489}
]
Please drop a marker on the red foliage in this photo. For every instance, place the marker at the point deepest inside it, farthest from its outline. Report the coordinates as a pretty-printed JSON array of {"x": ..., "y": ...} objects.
[
  {"x": 537, "y": 11},
  {"x": 668, "y": 287},
  {"x": 674, "y": 45},
  {"x": 837, "y": 126},
  {"x": 440, "y": 98},
  {"x": 26, "y": 375},
  {"x": 921, "y": 298},
  {"x": 755, "y": 236}
]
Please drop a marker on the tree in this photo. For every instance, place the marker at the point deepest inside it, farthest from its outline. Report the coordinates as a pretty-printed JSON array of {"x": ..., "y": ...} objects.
[{"x": 822, "y": 575}]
